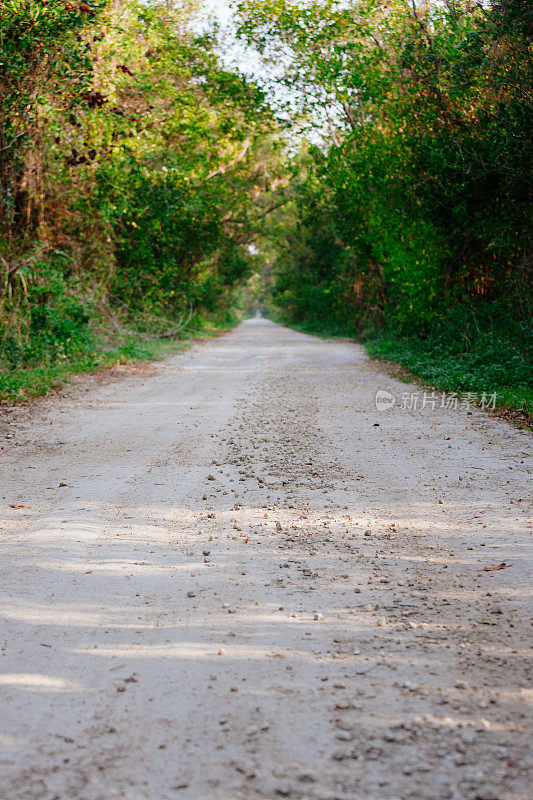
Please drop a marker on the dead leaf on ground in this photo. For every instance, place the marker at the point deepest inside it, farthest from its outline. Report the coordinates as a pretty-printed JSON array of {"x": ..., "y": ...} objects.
[{"x": 503, "y": 565}]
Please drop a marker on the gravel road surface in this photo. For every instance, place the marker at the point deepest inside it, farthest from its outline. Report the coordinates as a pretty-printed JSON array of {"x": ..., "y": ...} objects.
[{"x": 228, "y": 576}]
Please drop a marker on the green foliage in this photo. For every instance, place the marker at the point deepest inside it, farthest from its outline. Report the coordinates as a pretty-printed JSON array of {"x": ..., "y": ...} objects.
[
  {"x": 419, "y": 205},
  {"x": 53, "y": 318},
  {"x": 128, "y": 147},
  {"x": 480, "y": 352},
  {"x": 42, "y": 52}
]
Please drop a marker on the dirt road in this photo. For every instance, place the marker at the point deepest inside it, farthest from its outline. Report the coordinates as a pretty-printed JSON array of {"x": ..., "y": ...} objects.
[{"x": 229, "y": 576}]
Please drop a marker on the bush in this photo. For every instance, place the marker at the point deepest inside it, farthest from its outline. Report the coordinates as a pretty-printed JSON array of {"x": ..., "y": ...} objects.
[{"x": 53, "y": 321}]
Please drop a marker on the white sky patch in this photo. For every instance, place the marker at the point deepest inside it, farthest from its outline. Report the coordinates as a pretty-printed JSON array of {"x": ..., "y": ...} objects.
[
  {"x": 220, "y": 9},
  {"x": 268, "y": 74}
]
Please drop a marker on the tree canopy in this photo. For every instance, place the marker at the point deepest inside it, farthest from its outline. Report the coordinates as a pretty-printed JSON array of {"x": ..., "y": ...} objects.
[{"x": 379, "y": 164}]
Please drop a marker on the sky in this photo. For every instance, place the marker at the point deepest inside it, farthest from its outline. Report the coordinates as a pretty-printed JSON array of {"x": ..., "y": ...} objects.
[
  {"x": 247, "y": 60},
  {"x": 236, "y": 52},
  {"x": 220, "y": 9}
]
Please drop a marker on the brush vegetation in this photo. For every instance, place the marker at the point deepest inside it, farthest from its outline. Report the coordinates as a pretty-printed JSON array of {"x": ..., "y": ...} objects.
[{"x": 374, "y": 181}]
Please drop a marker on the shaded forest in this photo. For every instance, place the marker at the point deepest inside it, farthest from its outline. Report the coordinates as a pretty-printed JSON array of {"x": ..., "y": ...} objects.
[
  {"x": 373, "y": 180},
  {"x": 135, "y": 171}
]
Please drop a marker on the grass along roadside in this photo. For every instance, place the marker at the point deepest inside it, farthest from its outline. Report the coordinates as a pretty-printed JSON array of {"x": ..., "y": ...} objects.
[
  {"x": 478, "y": 372},
  {"x": 23, "y": 383},
  {"x": 487, "y": 364}
]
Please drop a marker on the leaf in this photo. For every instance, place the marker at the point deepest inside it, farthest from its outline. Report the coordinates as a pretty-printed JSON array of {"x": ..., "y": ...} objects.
[{"x": 503, "y": 565}]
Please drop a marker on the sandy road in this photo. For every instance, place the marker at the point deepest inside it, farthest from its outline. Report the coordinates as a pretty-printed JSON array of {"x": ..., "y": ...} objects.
[{"x": 254, "y": 585}]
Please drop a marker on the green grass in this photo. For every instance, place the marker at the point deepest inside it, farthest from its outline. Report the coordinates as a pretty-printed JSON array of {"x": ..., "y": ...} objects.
[
  {"x": 22, "y": 383},
  {"x": 463, "y": 355},
  {"x": 499, "y": 370},
  {"x": 457, "y": 358}
]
